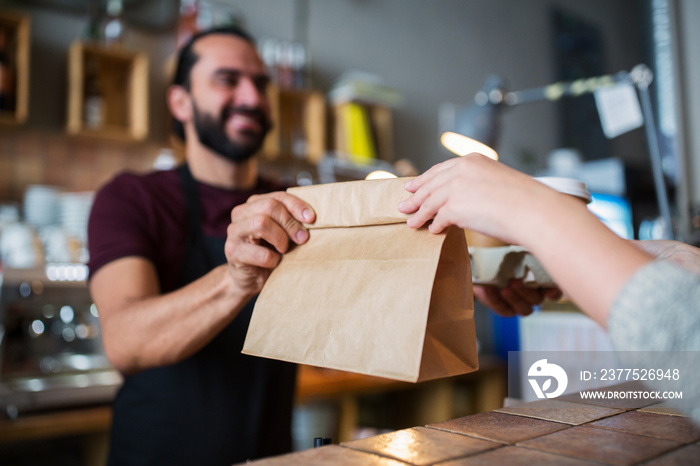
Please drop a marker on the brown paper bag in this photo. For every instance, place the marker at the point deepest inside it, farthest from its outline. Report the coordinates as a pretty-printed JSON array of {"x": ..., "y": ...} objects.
[{"x": 368, "y": 294}]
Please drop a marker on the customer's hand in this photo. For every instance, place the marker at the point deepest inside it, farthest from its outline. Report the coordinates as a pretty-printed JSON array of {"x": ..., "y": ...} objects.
[
  {"x": 261, "y": 230},
  {"x": 478, "y": 194}
]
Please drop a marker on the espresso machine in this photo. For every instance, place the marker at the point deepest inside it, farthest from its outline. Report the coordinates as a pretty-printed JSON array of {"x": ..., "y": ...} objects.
[{"x": 51, "y": 353}]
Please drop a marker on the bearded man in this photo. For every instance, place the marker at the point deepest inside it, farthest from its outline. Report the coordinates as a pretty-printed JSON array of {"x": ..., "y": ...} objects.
[{"x": 177, "y": 258}]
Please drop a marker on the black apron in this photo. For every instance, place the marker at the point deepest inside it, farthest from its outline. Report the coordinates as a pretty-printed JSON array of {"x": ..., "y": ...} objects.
[{"x": 216, "y": 407}]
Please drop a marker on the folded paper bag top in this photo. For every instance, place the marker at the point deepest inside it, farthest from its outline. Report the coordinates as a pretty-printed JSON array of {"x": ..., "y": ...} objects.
[
  {"x": 368, "y": 294},
  {"x": 355, "y": 203}
]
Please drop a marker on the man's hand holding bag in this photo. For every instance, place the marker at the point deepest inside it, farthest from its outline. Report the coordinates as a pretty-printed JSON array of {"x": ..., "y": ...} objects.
[{"x": 366, "y": 293}]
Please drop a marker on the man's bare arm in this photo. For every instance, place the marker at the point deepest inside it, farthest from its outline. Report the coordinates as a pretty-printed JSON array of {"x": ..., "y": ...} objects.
[{"x": 142, "y": 328}]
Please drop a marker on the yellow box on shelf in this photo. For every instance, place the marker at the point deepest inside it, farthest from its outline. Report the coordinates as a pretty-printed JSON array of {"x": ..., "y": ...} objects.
[{"x": 359, "y": 137}]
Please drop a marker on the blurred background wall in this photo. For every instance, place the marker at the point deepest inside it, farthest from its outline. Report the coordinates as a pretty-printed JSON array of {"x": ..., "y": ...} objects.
[{"x": 434, "y": 53}]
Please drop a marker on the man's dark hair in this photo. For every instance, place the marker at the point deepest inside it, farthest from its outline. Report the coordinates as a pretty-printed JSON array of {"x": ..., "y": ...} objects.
[{"x": 187, "y": 58}]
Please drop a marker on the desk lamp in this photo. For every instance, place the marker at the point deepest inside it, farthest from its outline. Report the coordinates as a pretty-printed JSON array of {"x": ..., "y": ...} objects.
[{"x": 477, "y": 126}]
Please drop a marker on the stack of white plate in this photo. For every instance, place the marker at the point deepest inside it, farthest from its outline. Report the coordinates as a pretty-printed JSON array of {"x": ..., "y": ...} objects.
[
  {"x": 73, "y": 213},
  {"x": 17, "y": 246},
  {"x": 40, "y": 202}
]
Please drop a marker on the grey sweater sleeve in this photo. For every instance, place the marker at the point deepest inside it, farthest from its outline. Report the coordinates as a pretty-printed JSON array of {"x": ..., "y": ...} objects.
[{"x": 658, "y": 310}]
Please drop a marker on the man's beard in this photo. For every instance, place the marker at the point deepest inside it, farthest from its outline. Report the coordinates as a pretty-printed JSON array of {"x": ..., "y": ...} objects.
[{"x": 212, "y": 134}]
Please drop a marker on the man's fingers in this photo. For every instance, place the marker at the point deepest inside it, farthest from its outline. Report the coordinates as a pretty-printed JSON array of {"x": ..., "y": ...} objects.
[
  {"x": 490, "y": 296},
  {"x": 299, "y": 209},
  {"x": 290, "y": 213},
  {"x": 245, "y": 251},
  {"x": 260, "y": 232},
  {"x": 516, "y": 303},
  {"x": 258, "y": 256},
  {"x": 519, "y": 299},
  {"x": 553, "y": 294},
  {"x": 513, "y": 300},
  {"x": 268, "y": 230},
  {"x": 274, "y": 218},
  {"x": 533, "y": 296}
]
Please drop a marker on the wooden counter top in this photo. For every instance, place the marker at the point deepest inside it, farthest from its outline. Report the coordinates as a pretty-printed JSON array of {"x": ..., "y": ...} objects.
[{"x": 562, "y": 431}]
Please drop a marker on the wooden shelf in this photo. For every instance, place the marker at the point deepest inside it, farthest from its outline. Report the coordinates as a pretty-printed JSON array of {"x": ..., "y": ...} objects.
[
  {"x": 299, "y": 130},
  {"x": 56, "y": 424},
  {"x": 122, "y": 76},
  {"x": 16, "y": 27}
]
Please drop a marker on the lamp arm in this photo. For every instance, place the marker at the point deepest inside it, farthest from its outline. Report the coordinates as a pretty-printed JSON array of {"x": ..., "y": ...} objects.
[
  {"x": 556, "y": 91},
  {"x": 656, "y": 163},
  {"x": 641, "y": 77}
]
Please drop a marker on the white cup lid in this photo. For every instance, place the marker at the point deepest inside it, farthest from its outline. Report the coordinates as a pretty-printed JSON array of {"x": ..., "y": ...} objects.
[{"x": 570, "y": 186}]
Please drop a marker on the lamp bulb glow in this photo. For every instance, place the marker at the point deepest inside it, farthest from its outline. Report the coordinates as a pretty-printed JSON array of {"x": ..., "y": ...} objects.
[
  {"x": 462, "y": 145},
  {"x": 379, "y": 175}
]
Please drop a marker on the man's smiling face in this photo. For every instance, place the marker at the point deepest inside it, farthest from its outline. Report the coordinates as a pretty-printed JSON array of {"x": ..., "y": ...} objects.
[{"x": 228, "y": 86}]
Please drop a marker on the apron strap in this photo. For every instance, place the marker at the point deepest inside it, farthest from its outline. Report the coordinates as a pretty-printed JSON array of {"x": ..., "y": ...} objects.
[{"x": 195, "y": 236}]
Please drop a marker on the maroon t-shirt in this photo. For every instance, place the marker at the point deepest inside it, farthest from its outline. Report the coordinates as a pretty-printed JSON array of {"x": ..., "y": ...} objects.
[{"x": 144, "y": 215}]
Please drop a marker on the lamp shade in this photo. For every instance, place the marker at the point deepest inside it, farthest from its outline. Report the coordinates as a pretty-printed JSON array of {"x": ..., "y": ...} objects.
[
  {"x": 476, "y": 127},
  {"x": 462, "y": 145}
]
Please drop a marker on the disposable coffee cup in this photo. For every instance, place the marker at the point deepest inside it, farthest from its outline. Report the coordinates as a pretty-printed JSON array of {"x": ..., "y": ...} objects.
[
  {"x": 570, "y": 186},
  {"x": 477, "y": 240}
]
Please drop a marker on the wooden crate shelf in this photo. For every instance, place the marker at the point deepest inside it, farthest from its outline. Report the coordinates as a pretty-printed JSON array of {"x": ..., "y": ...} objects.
[
  {"x": 16, "y": 29},
  {"x": 123, "y": 79},
  {"x": 299, "y": 130}
]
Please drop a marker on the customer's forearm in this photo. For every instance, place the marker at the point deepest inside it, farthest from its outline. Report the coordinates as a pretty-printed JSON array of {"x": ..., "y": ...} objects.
[{"x": 588, "y": 261}]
